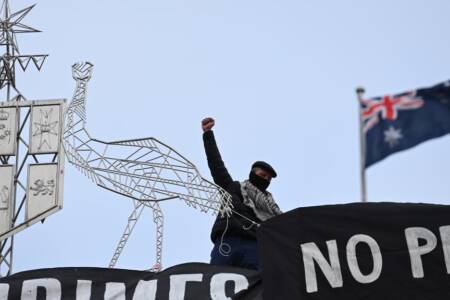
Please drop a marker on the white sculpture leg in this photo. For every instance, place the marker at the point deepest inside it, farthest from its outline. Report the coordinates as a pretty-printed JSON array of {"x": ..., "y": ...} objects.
[
  {"x": 132, "y": 220},
  {"x": 158, "y": 218}
]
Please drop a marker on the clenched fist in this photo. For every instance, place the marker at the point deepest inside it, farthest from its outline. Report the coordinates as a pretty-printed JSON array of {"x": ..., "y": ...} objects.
[{"x": 207, "y": 124}]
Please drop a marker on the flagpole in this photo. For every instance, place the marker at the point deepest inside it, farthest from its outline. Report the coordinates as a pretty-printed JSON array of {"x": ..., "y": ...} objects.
[{"x": 360, "y": 93}]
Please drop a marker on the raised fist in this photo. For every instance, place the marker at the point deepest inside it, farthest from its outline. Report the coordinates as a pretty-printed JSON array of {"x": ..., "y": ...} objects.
[{"x": 207, "y": 124}]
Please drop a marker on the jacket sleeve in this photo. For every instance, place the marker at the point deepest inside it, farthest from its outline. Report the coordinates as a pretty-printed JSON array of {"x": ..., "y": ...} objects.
[{"x": 217, "y": 167}]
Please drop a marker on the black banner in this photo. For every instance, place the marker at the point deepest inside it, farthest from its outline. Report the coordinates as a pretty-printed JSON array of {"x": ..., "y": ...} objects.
[
  {"x": 193, "y": 281},
  {"x": 357, "y": 251}
]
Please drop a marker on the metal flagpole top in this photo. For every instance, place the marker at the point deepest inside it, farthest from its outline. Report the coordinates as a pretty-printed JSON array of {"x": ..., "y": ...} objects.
[{"x": 360, "y": 91}]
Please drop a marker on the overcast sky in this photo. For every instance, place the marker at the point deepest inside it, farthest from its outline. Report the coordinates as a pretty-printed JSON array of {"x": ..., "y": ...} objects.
[{"x": 279, "y": 77}]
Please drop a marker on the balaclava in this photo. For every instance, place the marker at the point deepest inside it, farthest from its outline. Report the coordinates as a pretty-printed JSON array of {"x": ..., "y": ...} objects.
[{"x": 261, "y": 183}]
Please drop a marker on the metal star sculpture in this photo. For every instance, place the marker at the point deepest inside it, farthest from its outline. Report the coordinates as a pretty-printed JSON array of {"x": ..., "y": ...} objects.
[{"x": 10, "y": 25}]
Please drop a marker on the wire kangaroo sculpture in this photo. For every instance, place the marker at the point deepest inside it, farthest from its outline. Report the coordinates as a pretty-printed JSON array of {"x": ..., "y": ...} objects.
[{"x": 145, "y": 170}]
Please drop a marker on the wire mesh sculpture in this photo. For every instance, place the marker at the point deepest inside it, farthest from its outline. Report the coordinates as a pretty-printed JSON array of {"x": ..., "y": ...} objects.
[{"x": 145, "y": 170}]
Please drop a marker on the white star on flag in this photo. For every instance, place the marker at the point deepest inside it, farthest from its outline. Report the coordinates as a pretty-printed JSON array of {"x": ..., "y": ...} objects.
[{"x": 392, "y": 136}]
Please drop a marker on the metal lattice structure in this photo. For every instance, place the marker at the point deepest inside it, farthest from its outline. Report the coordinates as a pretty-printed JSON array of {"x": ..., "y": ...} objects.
[
  {"x": 20, "y": 152},
  {"x": 145, "y": 170}
]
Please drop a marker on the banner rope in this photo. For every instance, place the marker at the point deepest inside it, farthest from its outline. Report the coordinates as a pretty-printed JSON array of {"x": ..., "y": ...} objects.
[{"x": 225, "y": 248}]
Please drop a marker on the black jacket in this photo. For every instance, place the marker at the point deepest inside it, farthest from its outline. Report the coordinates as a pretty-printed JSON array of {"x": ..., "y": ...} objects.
[{"x": 237, "y": 225}]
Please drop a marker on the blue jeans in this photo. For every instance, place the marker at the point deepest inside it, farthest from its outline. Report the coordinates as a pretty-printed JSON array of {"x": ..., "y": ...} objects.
[{"x": 235, "y": 252}]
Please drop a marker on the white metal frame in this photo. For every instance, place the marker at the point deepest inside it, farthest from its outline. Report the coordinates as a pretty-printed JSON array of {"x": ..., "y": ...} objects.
[
  {"x": 21, "y": 159},
  {"x": 11, "y": 24},
  {"x": 144, "y": 170}
]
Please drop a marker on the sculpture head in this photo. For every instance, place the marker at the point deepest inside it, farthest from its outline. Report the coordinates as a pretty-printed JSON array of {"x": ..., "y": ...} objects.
[{"x": 82, "y": 71}]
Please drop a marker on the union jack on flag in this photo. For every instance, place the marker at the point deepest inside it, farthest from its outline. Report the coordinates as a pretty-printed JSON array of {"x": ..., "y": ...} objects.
[
  {"x": 387, "y": 108},
  {"x": 398, "y": 122}
]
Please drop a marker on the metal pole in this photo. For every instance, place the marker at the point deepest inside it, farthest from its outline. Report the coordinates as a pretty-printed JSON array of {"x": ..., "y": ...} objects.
[
  {"x": 8, "y": 98},
  {"x": 8, "y": 82},
  {"x": 360, "y": 93}
]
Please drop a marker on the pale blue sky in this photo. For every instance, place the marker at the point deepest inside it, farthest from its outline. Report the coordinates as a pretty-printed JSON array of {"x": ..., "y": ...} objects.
[{"x": 278, "y": 76}]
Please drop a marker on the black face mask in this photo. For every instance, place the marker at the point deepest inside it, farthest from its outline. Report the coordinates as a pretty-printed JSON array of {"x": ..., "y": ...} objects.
[{"x": 261, "y": 183}]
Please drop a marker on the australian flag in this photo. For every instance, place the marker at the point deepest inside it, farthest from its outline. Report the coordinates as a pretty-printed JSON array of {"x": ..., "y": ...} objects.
[{"x": 398, "y": 122}]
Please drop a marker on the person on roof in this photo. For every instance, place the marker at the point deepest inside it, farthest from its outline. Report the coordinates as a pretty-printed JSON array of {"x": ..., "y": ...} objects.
[{"x": 234, "y": 238}]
